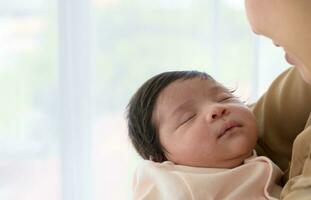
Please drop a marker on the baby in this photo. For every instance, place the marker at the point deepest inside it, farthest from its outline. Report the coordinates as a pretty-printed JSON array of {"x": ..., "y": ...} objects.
[{"x": 197, "y": 140}]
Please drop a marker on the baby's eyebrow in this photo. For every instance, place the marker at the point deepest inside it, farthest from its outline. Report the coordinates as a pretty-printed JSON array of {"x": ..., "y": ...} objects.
[
  {"x": 217, "y": 89},
  {"x": 183, "y": 106}
]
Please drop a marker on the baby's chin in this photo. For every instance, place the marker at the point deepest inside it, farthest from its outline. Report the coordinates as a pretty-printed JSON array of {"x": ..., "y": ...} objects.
[
  {"x": 235, "y": 162},
  {"x": 223, "y": 165}
]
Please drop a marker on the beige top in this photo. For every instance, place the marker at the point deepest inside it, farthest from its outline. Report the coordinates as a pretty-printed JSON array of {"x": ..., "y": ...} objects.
[
  {"x": 255, "y": 179},
  {"x": 284, "y": 117}
]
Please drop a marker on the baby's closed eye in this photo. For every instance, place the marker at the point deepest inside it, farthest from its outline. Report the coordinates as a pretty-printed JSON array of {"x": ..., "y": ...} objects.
[
  {"x": 186, "y": 117},
  {"x": 226, "y": 97}
]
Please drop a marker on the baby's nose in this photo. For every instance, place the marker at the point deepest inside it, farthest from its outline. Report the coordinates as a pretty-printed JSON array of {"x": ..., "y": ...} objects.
[{"x": 216, "y": 112}]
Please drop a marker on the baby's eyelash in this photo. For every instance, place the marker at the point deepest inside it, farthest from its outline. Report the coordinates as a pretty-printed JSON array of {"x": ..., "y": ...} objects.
[
  {"x": 188, "y": 119},
  {"x": 227, "y": 97},
  {"x": 232, "y": 91}
]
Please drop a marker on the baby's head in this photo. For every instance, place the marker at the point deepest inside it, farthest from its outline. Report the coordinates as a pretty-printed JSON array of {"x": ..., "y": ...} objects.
[{"x": 190, "y": 119}]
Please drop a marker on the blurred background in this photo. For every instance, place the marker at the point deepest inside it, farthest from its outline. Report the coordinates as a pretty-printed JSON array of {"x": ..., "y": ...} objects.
[{"x": 68, "y": 69}]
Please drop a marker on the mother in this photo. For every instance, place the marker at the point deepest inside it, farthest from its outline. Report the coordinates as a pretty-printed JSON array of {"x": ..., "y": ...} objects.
[{"x": 284, "y": 110}]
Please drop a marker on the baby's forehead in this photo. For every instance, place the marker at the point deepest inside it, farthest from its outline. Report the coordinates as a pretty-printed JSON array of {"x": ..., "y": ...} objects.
[
  {"x": 190, "y": 90},
  {"x": 196, "y": 85}
]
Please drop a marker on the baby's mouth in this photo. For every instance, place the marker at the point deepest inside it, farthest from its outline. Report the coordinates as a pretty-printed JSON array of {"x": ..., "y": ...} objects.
[{"x": 227, "y": 126}]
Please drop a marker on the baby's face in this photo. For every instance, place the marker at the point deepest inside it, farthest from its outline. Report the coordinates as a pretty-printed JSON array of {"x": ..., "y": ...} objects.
[{"x": 200, "y": 123}]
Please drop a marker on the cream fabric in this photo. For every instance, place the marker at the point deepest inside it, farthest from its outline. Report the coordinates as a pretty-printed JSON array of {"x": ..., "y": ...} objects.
[{"x": 255, "y": 179}]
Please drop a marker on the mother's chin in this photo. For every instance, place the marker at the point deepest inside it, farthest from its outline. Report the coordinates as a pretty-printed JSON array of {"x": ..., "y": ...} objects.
[
  {"x": 305, "y": 74},
  {"x": 300, "y": 57}
]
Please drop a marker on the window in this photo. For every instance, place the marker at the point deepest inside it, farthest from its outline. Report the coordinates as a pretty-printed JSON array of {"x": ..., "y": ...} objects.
[
  {"x": 29, "y": 147},
  {"x": 69, "y": 68}
]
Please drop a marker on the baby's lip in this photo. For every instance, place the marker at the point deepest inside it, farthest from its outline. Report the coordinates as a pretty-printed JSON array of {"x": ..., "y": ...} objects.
[{"x": 226, "y": 126}]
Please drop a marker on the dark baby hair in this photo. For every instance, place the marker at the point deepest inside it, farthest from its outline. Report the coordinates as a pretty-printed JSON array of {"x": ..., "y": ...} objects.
[{"x": 142, "y": 132}]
